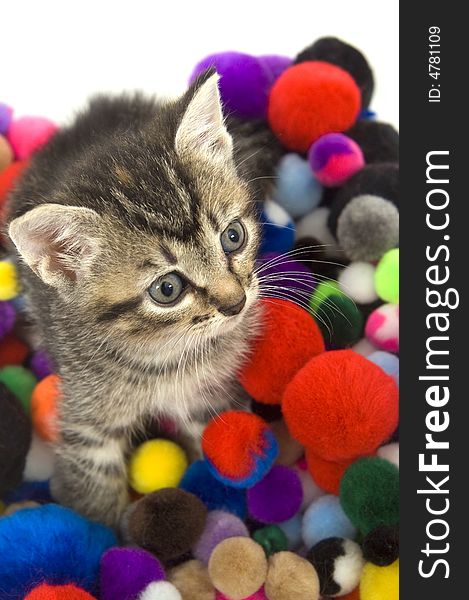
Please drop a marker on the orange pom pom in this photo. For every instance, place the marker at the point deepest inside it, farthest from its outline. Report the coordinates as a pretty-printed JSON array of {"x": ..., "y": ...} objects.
[
  {"x": 326, "y": 473},
  {"x": 8, "y": 177},
  {"x": 58, "y": 592},
  {"x": 13, "y": 351},
  {"x": 44, "y": 403}
]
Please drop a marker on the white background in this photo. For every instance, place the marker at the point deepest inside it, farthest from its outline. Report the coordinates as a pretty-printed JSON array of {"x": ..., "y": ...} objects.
[{"x": 56, "y": 54}]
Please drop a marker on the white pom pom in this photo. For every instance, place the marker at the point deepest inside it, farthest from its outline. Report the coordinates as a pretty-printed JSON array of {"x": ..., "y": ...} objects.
[
  {"x": 358, "y": 281},
  {"x": 364, "y": 347},
  {"x": 315, "y": 225},
  {"x": 348, "y": 568},
  {"x": 390, "y": 452},
  {"x": 160, "y": 590},
  {"x": 311, "y": 490},
  {"x": 39, "y": 461}
]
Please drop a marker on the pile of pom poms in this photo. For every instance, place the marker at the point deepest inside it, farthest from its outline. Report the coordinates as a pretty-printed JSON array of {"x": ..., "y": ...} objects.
[{"x": 298, "y": 498}]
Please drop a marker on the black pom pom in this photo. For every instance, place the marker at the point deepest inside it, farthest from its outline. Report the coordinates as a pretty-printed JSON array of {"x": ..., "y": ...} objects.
[
  {"x": 268, "y": 412},
  {"x": 337, "y": 52},
  {"x": 379, "y": 141},
  {"x": 381, "y": 546}
]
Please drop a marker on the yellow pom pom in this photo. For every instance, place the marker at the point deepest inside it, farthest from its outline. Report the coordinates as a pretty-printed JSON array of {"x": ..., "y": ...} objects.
[
  {"x": 156, "y": 464},
  {"x": 380, "y": 583},
  {"x": 8, "y": 281}
]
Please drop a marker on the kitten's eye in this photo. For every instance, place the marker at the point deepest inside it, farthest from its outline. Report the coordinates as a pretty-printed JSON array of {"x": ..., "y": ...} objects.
[
  {"x": 167, "y": 289},
  {"x": 233, "y": 237}
]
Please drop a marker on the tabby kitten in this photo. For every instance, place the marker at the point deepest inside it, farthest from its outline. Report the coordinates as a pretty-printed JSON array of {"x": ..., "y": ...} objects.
[{"x": 137, "y": 235}]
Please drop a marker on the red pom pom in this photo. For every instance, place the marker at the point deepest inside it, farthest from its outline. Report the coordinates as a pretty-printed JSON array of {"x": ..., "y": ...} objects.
[
  {"x": 44, "y": 401},
  {"x": 341, "y": 406},
  {"x": 13, "y": 351},
  {"x": 289, "y": 338},
  {"x": 327, "y": 474},
  {"x": 310, "y": 99},
  {"x": 58, "y": 592},
  {"x": 8, "y": 177}
]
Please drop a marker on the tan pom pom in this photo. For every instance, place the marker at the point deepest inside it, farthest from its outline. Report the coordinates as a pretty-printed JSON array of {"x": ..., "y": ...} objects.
[
  {"x": 238, "y": 567},
  {"x": 291, "y": 577},
  {"x": 289, "y": 449},
  {"x": 192, "y": 580}
]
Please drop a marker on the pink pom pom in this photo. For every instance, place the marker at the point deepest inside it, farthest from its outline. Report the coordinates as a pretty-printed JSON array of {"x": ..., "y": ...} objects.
[
  {"x": 259, "y": 595},
  {"x": 334, "y": 158},
  {"x": 382, "y": 327},
  {"x": 27, "y": 134}
]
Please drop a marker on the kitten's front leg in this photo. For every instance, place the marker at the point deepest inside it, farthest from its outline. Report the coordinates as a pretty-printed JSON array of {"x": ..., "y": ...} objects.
[{"x": 90, "y": 472}]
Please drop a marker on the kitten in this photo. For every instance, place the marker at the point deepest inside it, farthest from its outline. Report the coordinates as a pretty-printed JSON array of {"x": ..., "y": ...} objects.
[{"x": 137, "y": 233}]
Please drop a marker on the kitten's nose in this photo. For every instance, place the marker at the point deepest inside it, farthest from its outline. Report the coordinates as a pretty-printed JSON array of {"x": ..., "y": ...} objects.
[{"x": 233, "y": 309}]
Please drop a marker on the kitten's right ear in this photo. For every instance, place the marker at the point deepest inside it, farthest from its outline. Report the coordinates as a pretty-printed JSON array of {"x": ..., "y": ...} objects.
[{"x": 57, "y": 242}]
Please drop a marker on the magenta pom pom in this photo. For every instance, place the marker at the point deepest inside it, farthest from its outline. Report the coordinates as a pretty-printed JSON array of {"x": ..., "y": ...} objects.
[
  {"x": 7, "y": 318},
  {"x": 382, "y": 328},
  {"x": 126, "y": 572},
  {"x": 334, "y": 158},
  {"x": 27, "y": 134},
  {"x": 40, "y": 364},
  {"x": 6, "y": 114},
  {"x": 219, "y": 526},
  {"x": 244, "y": 82},
  {"x": 277, "y": 497}
]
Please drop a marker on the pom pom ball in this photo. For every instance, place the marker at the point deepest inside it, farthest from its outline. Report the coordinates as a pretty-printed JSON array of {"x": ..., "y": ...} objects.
[
  {"x": 160, "y": 590},
  {"x": 390, "y": 452},
  {"x": 379, "y": 141},
  {"x": 192, "y": 580},
  {"x": 44, "y": 402},
  {"x": 289, "y": 449},
  {"x": 6, "y": 153},
  {"x": 40, "y": 364},
  {"x": 311, "y": 491},
  {"x": 310, "y": 99},
  {"x": 125, "y": 572},
  {"x": 315, "y": 227},
  {"x": 380, "y": 583},
  {"x": 272, "y": 538},
  {"x": 327, "y": 474},
  {"x": 369, "y": 493},
  {"x": 382, "y": 327},
  {"x": 199, "y": 480},
  {"x": 340, "y": 321},
  {"x": 244, "y": 82},
  {"x": 322, "y": 293},
  {"x": 238, "y": 567},
  {"x": 13, "y": 351},
  {"x": 274, "y": 64},
  {"x": 381, "y": 545},
  {"x": 387, "y": 361},
  {"x": 387, "y": 277},
  {"x": 28, "y": 134},
  {"x": 286, "y": 276},
  {"x": 339, "y": 564},
  {"x": 219, "y": 526},
  {"x": 357, "y": 281},
  {"x": 9, "y": 286},
  {"x": 277, "y": 497},
  {"x": 6, "y": 115},
  {"x": 297, "y": 190},
  {"x": 259, "y": 595},
  {"x": 66, "y": 548},
  {"x": 8, "y": 178},
  {"x": 156, "y": 464},
  {"x": 334, "y": 158},
  {"x": 7, "y": 318},
  {"x": 58, "y": 592},
  {"x": 20, "y": 381},
  {"x": 39, "y": 460},
  {"x": 167, "y": 522},
  {"x": 278, "y": 229},
  {"x": 335, "y": 51},
  {"x": 292, "y": 531},
  {"x": 239, "y": 448},
  {"x": 325, "y": 518},
  {"x": 291, "y": 577},
  {"x": 340, "y": 405},
  {"x": 290, "y": 337}
]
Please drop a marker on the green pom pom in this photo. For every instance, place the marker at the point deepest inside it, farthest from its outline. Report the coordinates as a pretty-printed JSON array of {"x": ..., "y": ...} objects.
[
  {"x": 271, "y": 538},
  {"x": 322, "y": 292},
  {"x": 20, "y": 382},
  {"x": 340, "y": 321},
  {"x": 369, "y": 493},
  {"x": 387, "y": 277}
]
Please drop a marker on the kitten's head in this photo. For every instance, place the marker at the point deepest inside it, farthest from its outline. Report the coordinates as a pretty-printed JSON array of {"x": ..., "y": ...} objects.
[{"x": 153, "y": 234}]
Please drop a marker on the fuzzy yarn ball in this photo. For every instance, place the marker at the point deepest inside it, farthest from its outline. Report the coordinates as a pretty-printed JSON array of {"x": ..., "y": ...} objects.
[
  {"x": 156, "y": 464},
  {"x": 322, "y": 293},
  {"x": 6, "y": 115},
  {"x": 271, "y": 538},
  {"x": 20, "y": 381},
  {"x": 44, "y": 591},
  {"x": 6, "y": 153},
  {"x": 200, "y": 481},
  {"x": 297, "y": 190},
  {"x": 387, "y": 361},
  {"x": 278, "y": 229},
  {"x": 9, "y": 285},
  {"x": 380, "y": 583},
  {"x": 274, "y": 64},
  {"x": 239, "y": 448},
  {"x": 40, "y": 364},
  {"x": 7, "y": 318},
  {"x": 259, "y": 595},
  {"x": 289, "y": 449},
  {"x": 291, "y": 577},
  {"x": 357, "y": 280},
  {"x": 13, "y": 351},
  {"x": 313, "y": 232},
  {"x": 334, "y": 158},
  {"x": 8, "y": 177},
  {"x": 39, "y": 460},
  {"x": 340, "y": 321},
  {"x": 325, "y": 518},
  {"x": 340, "y": 405},
  {"x": 66, "y": 548},
  {"x": 238, "y": 567},
  {"x": 339, "y": 563},
  {"x": 381, "y": 545},
  {"x": 379, "y": 141},
  {"x": 45, "y": 400},
  {"x": 382, "y": 327},
  {"x": 309, "y": 100},
  {"x": 27, "y": 134},
  {"x": 390, "y": 452},
  {"x": 369, "y": 493},
  {"x": 285, "y": 276},
  {"x": 244, "y": 82},
  {"x": 192, "y": 580},
  {"x": 387, "y": 277},
  {"x": 327, "y": 474},
  {"x": 160, "y": 590},
  {"x": 126, "y": 572},
  {"x": 289, "y": 338},
  {"x": 292, "y": 531},
  {"x": 219, "y": 526},
  {"x": 277, "y": 497}
]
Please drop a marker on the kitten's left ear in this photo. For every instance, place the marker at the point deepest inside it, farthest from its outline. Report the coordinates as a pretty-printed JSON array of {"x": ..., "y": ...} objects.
[{"x": 202, "y": 131}]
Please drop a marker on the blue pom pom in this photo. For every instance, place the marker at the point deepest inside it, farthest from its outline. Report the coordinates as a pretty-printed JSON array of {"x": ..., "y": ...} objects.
[
  {"x": 388, "y": 362},
  {"x": 325, "y": 518},
  {"x": 278, "y": 229},
  {"x": 297, "y": 189},
  {"x": 215, "y": 495},
  {"x": 29, "y": 490},
  {"x": 50, "y": 543},
  {"x": 292, "y": 529}
]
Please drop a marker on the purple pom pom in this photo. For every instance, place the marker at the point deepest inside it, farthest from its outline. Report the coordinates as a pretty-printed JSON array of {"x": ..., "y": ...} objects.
[
  {"x": 7, "y": 318},
  {"x": 277, "y": 497},
  {"x": 334, "y": 158},
  {"x": 280, "y": 272},
  {"x": 219, "y": 526},
  {"x": 40, "y": 364},
  {"x": 244, "y": 82},
  {"x": 274, "y": 64},
  {"x": 126, "y": 572},
  {"x": 6, "y": 114}
]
